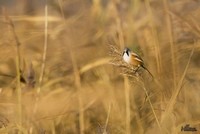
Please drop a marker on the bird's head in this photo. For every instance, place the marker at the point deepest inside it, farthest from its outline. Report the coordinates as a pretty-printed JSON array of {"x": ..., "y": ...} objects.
[{"x": 126, "y": 51}]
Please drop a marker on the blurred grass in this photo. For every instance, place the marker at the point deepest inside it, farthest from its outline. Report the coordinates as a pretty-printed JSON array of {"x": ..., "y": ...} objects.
[{"x": 81, "y": 91}]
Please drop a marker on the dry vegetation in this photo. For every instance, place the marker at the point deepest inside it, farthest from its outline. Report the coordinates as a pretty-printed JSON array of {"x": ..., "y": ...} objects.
[{"x": 61, "y": 70}]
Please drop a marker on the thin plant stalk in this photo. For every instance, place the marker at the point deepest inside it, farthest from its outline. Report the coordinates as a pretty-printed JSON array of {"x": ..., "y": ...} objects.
[
  {"x": 126, "y": 81},
  {"x": 78, "y": 86},
  {"x": 127, "y": 100},
  {"x": 172, "y": 101},
  {"x": 45, "y": 49},
  {"x": 77, "y": 79},
  {"x": 172, "y": 48},
  {"x": 152, "y": 109},
  {"x": 107, "y": 119},
  {"x": 18, "y": 61},
  {"x": 155, "y": 37},
  {"x": 43, "y": 58}
]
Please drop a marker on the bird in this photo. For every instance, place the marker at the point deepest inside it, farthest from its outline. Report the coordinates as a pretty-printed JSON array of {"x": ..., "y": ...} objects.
[{"x": 134, "y": 59}]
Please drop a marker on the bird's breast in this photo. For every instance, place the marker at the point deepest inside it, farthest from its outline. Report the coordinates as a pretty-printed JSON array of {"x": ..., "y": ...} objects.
[
  {"x": 134, "y": 61},
  {"x": 126, "y": 58}
]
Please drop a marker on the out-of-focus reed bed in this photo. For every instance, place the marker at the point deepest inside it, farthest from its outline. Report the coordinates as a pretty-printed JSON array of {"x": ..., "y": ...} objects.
[{"x": 61, "y": 67}]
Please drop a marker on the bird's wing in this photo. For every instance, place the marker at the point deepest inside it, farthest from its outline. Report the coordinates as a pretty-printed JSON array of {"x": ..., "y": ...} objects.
[{"x": 137, "y": 57}]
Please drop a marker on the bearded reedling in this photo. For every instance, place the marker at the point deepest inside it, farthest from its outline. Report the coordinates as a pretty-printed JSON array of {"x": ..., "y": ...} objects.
[{"x": 134, "y": 60}]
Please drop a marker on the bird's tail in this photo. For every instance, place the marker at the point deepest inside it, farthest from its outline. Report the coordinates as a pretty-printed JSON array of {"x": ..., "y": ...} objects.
[{"x": 148, "y": 71}]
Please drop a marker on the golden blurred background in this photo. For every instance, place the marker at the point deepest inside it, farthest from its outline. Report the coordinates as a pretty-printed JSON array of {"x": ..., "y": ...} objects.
[{"x": 58, "y": 73}]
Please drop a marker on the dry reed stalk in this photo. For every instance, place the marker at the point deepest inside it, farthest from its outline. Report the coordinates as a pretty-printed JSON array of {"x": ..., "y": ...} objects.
[
  {"x": 127, "y": 100},
  {"x": 96, "y": 8},
  {"x": 152, "y": 108},
  {"x": 107, "y": 119},
  {"x": 136, "y": 6},
  {"x": 78, "y": 86},
  {"x": 126, "y": 81},
  {"x": 172, "y": 101},
  {"x": 171, "y": 40},
  {"x": 77, "y": 79},
  {"x": 60, "y": 3},
  {"x": 189, "y": 47},
  {"x": 18, "y": 62},
  {"x": 44, "y": 50},
  {"x": 155, "y": 37},
  {"x": 92, "y": 65},
  {"x": 43, "y": 59},
  {"x": 33, "y": 18}
]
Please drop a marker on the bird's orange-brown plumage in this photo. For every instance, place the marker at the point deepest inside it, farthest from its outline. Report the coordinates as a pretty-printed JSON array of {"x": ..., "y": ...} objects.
[{"x": 136, "y": 60}]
